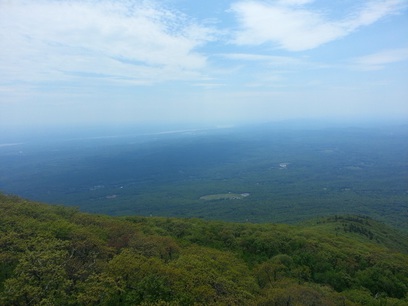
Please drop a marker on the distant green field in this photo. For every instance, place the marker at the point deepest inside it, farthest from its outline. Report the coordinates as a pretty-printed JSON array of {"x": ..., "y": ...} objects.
[{"x": 224, "y": 196}]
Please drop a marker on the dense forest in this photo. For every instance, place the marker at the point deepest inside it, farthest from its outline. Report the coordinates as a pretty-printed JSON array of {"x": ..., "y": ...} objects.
[
  {"x": 56, "y": 255},
  {"x": 289, "y": 174}
]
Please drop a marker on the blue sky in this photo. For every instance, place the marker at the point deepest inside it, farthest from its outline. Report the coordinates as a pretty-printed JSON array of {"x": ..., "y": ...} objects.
[{"x": 74, "y": 62}]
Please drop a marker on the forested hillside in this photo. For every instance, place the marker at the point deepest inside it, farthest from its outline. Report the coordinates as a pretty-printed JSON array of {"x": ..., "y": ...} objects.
[{"x": 54, "y": 255}]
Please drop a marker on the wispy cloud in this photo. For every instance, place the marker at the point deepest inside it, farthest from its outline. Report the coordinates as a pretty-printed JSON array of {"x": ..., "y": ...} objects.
[
  {"x": 52, "y": 40},
  {"x": 143, "y": 60},
  {"x": 291, "y": 25},
  {"x": 279, "y": 60},
  {"x": 209, "y": 85},
  {"x": 379, "y": 60}
]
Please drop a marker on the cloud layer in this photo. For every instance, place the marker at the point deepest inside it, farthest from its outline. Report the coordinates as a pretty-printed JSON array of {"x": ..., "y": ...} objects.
[
  {"x": 149, "y": 59},
  {"x": 290, "y": 25},
  {"x": 124, "y": 40},
  {"x": 140, "y": 43},
  {"x": 380, "y": 59}
]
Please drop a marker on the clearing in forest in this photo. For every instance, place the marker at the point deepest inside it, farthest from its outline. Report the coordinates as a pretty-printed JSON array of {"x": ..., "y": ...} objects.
[{"x": 224, "y": 196}]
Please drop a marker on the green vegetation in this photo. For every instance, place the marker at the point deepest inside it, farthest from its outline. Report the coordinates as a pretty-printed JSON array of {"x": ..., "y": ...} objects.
[
  {"x": 291, "y": 175},
  {"x": 55, "y": 255}
]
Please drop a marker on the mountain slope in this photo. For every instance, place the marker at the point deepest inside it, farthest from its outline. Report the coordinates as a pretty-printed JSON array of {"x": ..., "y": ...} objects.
[
  {"x": 60, "y": 256},
  {"x": 362, "y": 228}
]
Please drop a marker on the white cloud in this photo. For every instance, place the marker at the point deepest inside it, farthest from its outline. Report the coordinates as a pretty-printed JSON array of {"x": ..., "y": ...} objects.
[
  {"x": 271, "y": 59},
  {"x": 379, "y": 60},
  {"x": 62, "y": 40},
  {"x": 209, "y": 85},
  {"x": 373, "y": 11},
  {"x": 267, "y": 61},
  {"x": 294, "y": 2},
  {"x": 292, "y": 26}
]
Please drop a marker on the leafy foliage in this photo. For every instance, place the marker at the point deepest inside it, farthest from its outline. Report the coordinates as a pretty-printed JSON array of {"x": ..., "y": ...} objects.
[{"x": 54, "y": 255}]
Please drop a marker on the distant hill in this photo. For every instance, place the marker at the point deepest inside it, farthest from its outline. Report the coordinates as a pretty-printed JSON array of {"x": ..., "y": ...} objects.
[{"x": 56, "y": 255}]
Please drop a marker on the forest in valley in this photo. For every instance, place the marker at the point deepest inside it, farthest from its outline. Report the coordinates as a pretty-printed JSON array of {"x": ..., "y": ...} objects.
[
  {"x": 58, "y": 255},
  {"x": 287, "y": 173}
]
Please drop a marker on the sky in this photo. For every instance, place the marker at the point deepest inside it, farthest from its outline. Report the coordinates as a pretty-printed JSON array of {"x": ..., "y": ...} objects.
[{"x": 93, "y": 62}]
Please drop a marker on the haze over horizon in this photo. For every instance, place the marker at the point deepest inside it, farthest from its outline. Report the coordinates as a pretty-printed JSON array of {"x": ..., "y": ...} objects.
[{"x": 217, "y": 62}]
